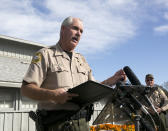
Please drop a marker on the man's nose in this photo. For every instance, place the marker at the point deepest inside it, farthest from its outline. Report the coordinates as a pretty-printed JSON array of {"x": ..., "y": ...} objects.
[{"x": 79, "y": 33}]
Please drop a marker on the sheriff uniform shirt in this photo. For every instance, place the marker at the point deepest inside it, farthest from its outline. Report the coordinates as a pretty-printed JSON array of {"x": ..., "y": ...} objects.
[{"x": 52, "y": 68}]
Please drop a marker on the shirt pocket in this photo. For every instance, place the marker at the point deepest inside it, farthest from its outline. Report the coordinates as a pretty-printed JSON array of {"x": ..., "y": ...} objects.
[
  {"x": 82, "y": 73},
  {"x": 58, "y": 68},
  {"x": 82, "y": 69}
]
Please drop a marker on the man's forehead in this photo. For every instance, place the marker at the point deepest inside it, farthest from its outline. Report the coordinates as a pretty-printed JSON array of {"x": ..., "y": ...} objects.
[{"x": 77, "y": 21}]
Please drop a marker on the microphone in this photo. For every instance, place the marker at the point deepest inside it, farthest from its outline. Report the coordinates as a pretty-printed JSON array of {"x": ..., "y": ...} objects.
[{"x": 131, "y": 76}]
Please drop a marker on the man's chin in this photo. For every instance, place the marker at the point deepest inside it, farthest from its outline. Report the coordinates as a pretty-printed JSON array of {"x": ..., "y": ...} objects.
[
  {"x": 74, "y": 44},
  {"x": 72, "y": 47}
]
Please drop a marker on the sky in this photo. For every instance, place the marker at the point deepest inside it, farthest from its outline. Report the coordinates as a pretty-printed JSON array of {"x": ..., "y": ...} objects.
[{"x": 117, "y": 33}]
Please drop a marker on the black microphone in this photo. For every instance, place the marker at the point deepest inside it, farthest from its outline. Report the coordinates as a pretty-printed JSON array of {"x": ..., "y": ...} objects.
[{"x": 131, "y": 76}]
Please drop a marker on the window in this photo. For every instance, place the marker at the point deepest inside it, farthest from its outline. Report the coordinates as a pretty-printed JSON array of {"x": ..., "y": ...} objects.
[
  {"x": 28, "y": 103},
  {"x": 7, "y": 100},
  {"x": 12, "y": 100}
]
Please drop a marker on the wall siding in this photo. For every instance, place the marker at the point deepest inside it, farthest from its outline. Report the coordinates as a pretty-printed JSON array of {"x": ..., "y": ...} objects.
[
  {"x": 15, "y": 51},
  {"x": 2, "y": 121},
  {"x": 16, "y": 121}
]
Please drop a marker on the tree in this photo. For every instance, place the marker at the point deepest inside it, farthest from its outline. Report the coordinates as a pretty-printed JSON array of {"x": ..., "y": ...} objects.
[{"x": 165, "y": 85}]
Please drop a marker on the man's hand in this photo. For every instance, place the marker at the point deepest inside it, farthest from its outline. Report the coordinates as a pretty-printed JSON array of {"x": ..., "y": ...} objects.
[
  {"x": 61, "y": 96},
  {"x": 151, "y": 111},
  {"x": 159, "y": 110},
  {"x": 118, "y": 76}
]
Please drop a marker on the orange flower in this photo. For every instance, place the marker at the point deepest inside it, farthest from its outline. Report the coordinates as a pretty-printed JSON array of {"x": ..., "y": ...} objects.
[{"x": 112, "y": 127}]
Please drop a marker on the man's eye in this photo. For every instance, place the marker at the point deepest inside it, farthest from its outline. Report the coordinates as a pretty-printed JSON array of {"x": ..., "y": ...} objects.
[{"x": 75, "y": 28}]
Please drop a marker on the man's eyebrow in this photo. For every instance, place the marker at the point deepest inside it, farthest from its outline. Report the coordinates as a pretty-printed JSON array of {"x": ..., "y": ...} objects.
[{"x": 77, "y": 28}]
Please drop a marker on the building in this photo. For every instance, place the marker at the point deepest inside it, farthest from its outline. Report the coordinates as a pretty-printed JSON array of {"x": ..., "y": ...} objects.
[{"x": 15, "y": 57}]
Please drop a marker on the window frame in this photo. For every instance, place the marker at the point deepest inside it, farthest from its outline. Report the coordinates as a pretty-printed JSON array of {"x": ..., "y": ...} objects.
[
  {"x": 17, "y": 100},
  {"x": 8, "y": 91}
]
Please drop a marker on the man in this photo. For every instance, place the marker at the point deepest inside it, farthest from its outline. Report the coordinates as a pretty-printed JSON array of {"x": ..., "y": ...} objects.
[
  {"x": 56, "y": 69},
  {"x": 159, "y": 100}
]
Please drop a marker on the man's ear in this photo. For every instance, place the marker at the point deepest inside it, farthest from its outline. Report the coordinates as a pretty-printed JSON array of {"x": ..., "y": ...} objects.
[{"x": 62, "y": 30}]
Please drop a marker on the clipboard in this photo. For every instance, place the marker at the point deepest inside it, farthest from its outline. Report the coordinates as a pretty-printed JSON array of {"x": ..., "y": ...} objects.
[{"x": 90, "y": 92}]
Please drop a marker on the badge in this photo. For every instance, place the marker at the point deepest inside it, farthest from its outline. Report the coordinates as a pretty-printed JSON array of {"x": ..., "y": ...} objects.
[{"x": 36, "y": 58}]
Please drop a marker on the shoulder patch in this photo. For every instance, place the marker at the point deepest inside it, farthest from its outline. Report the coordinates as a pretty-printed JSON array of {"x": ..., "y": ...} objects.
[{"x": 36, "y": 58}]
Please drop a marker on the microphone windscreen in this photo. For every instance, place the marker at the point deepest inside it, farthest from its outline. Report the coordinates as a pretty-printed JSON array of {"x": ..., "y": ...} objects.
[{"x": 131, "y": 76}]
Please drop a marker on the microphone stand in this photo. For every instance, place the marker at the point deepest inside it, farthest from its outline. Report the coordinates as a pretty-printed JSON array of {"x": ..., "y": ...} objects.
[
  {"x": 134, "y": 115},
  {"x": 137, "y": 122},
  {"x": 126, "y": 91}
]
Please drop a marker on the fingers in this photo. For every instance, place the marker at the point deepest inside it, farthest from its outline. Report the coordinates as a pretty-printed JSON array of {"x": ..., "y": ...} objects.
[
  {"x": 67, "y": 96},
  {"x": 70, "y": 95},
  {"x": 73, "y": 94},
  {"x": 120, "y": 75},
  {"x": 123, "y": 75}
]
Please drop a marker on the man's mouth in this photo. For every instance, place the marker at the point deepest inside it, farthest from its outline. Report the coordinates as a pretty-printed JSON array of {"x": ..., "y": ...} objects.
[{"x": 75, "y": 39}]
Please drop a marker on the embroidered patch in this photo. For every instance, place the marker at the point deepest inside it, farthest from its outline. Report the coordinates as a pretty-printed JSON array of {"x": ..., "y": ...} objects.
[{"x": 36, "y": 58}]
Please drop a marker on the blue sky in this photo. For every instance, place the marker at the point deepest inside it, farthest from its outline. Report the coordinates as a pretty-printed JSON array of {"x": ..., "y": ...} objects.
[{"x": 117, "y": 33}]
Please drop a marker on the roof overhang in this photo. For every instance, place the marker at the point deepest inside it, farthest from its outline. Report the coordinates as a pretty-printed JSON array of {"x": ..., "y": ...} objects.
[
  {"x": 10, "y": 84},
  {"x": 22, "y": 41}
]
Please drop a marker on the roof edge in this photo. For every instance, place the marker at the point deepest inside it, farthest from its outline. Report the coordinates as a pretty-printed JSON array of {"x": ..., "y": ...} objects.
[
  {"x": 10, "y": 84},
  {"x": 22, "y": 41}
]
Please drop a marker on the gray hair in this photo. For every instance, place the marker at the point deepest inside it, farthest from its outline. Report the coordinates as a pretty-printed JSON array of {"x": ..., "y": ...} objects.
[{"x": 68, "y": 21}]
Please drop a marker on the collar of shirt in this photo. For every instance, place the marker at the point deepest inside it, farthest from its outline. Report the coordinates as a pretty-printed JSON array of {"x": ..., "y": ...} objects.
[{"x": 60, "y": 52}]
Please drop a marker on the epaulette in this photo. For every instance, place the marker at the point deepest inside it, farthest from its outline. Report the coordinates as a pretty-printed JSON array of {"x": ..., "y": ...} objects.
[
  {"x": 51, "y": 47},
  {"x": 82, "y": 57},
  {"x": 43, "y": 49}
]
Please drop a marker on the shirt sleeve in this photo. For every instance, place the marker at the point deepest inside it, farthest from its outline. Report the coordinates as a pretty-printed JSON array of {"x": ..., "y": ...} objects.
[
  {"x": 91, "y": 77},
  {"x": 37, "y": 70},
  {"x": 165, "y": 105}
]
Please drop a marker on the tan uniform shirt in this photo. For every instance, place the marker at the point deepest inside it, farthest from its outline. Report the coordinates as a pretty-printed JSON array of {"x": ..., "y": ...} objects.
[
  {"x": 159, "y": 97},
  {"x": 51, "y": 68}
]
